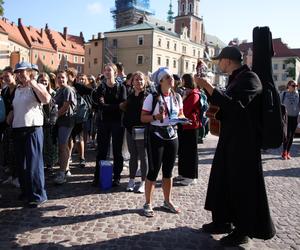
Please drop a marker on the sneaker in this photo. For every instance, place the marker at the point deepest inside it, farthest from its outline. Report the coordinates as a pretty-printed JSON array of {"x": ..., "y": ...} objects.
[
  {"x": 179, "y": 178},
  {"x": 15, "y": 182},
  {"x": 116, "y": 183},
  {"x": 35, "y": 204},
  {"x": 235, "y": 238},
  {"x": 82, "y": 163},
  {"x": 214, "y": 228},
  {"x": 8, "y": 180},
  {"x": 170, "y": 207},
  {"x": 68, "y": 173},
  {"x": 141, "y": 188},
  {"x": 148, "y": 210},
  {"x": 188, "y": 182},
  {"x": 130, "y": 186},
  {"x": 60, "y": 178},
  {"x": 138, "y": 173}
]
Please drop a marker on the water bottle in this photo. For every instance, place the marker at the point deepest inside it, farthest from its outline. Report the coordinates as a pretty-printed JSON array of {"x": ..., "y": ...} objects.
[{"x": 53, "y": 114}]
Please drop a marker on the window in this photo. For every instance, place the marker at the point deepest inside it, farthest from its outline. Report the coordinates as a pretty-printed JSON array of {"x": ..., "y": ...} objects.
[
  {"x": 52, "y": 62},
  {"x": 284, "y": 77},
  {"x": 194, "y": 52},
  {"x": 168, "y": 44},
  {"x": 193, "y": 67},
  {"x": 186, "y": 66},
  {"x": 66, "y": 56},
  {"x": 183, "y": 8},
  {"x": 59, "y": 56},
  {"x": 115, "y": 43},
  {"x": 82, "y": 59},
  {"x": 35, "y": 55},
  {"x": 79, "y": 69},
  {"x": 283, "y": 66},
  {"x": 275, "y": 66},
  {"x": 115, "y": 59},
  {"x": 75, "y": 59},
  {"x": 159, "y": 42},
  {"x": 167, "y": 62},
  {"x": 183, "y": 49},
  {"x": 275, "y": 77},
  {"x": 140, "y": 40},
  {"x": 158, "y": 60},
  {"x": 140, "y": 59},
  {"x": 175, "y": 46},
  {"x": 44, "y": 57},
  {"x": 190, "y": 8},
  {"x": 199, "y": 54},
  {"x": 174, "y": 63},
  {"x": 95, "y": 60},
  {"x": 96, "y": 44}
]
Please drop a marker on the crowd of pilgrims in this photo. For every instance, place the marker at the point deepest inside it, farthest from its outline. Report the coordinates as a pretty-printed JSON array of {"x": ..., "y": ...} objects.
[{"x": 120, "y": 107}]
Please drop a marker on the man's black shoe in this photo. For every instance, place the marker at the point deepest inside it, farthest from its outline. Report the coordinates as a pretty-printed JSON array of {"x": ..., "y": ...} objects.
[
  {"x": 116, "y": 183},
  {"x": 235, "y": 238},
  {"x": 95, "y": 183},
  {"x": 214, "y": 228}
]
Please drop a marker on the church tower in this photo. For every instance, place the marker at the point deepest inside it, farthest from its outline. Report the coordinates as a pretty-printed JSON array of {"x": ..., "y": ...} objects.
[
  {"x": 188, "y": 16},
  {"x": 128, "y": 12}
]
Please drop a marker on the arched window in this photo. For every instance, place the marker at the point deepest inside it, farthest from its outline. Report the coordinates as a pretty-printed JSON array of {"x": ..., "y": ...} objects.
[
  {"x": 191, "y": 8},
  {"x": 183, "y": 8}
]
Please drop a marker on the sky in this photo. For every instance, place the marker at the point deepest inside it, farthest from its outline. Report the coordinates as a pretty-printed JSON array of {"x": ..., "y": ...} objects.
[{"x": 226, "y": 19}]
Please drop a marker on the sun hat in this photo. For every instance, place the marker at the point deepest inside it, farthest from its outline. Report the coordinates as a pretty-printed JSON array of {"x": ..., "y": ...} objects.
[{"x": 22, "y": 65}]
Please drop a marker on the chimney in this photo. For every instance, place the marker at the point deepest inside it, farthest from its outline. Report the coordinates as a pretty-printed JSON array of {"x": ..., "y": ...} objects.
[
  {"x": 20, "y": 22},
  {"x": 46, "y": 26},
  {"x": 42, "y": 32},
  {"x": 81, "y": 34},
  {"x": 100, "y": 35},
  {"x": 93, "y": 37},
  {"x": 65, "y": 32}
]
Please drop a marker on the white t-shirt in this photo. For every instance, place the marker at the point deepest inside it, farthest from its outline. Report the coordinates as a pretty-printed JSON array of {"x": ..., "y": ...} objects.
[
  {"x": 173, "y": 103},
  {"x": 27, "y": 110}
]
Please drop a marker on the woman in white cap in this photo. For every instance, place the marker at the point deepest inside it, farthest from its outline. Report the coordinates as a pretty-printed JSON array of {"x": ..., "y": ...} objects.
[
  {"x": 158, "y": 109},
  {"x": 27, "y": 121}
]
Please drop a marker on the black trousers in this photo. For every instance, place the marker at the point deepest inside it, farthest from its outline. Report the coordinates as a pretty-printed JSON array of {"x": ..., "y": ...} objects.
[
  {"x": 291, "y": 128},
  {"x": 107, "y": 130},
  {"x": 188, "y": 153}
]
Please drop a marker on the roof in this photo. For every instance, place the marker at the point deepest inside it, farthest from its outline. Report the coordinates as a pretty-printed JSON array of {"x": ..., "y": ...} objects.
[
  {"x": 66, "y": 43},
  {"x": 280, "y": 49},
  {"x": 13, "y": 32},
  {"x": 213, "y": 41},
  {"x": 37, "y": 38}
]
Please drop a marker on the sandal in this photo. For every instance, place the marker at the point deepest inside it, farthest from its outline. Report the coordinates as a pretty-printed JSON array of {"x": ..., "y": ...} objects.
[
  {"x": 170, "y": 207},
  {"x": 148, "y": 211}
]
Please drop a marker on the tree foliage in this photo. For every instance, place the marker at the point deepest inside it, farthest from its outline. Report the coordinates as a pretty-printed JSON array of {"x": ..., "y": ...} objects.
[
  {"x": 291, "y": 69},
  {"x": 1, "y": 8}
]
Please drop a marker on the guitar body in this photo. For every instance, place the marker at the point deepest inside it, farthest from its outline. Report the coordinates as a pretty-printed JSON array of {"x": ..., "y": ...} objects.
[{"x": 214, "y": 124}]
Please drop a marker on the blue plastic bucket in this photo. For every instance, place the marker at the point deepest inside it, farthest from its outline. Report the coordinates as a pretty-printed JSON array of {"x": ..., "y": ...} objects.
[{"x": 105, "y": 175}]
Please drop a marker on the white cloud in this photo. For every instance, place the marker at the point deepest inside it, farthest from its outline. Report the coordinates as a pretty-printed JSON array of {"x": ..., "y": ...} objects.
[{"x": 94, "y": 8}]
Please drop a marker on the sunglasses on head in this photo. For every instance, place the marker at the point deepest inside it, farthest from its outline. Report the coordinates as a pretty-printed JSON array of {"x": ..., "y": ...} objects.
[{"x": 294, "y": 85}]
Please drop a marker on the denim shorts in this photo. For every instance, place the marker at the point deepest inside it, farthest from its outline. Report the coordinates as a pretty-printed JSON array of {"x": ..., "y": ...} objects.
[{"x": 64, "y": 134}]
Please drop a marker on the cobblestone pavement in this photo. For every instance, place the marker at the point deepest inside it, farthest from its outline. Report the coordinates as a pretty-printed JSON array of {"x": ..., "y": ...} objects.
[{"x": 83, "y": 217}]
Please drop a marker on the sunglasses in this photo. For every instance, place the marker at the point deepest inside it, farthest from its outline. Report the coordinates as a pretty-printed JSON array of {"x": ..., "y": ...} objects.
[{"x": 294, "y": 85}]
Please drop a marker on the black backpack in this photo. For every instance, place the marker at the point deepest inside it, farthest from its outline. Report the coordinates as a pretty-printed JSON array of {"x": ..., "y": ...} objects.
[{"x": 272, "y": 120}]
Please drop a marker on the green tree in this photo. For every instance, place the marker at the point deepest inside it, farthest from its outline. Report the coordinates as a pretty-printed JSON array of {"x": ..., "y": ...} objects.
[
  {"x": 1, "y": 8},
  {"x": 291, "y": 70}
]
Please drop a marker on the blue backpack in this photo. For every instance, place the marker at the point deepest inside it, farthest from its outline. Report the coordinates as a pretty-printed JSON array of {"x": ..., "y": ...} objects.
[
  {"x": 203, "y": 107},
  {"x": 82, "y": 110},
  {"x": 2, "y": 110}
]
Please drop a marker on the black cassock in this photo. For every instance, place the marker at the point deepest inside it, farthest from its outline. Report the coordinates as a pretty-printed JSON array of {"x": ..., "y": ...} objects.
[{"x": 236, "y": 190}]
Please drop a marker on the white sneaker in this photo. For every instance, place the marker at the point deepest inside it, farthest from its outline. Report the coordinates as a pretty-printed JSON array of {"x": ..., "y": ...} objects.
[
  {"x": 130, "y": 186},
  {"x": 141, "y": 188},
  {"x": 68, "y": 173},
  {"x": 15, "y": 182},
  {"x": 60, "y": 178},
  {"x": 188, "y": 182},
  {"x": 138, "y": 173}
]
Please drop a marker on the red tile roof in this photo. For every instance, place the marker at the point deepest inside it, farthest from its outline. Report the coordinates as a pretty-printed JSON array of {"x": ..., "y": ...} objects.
[
  {"x": 37, "y": 38},
  {"x": 13, "y": 32},
  {"x": 280, "y": 48},
  {"x": 66, "y": 43}
]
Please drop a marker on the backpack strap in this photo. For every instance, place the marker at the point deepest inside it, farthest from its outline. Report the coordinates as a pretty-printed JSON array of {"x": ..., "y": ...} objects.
[{"x": 283, "y": 96}]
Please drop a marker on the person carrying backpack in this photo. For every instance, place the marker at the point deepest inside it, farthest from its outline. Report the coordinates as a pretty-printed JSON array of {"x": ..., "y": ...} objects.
[
  {"x": 109, "y": 95},
  {"x": 290, "y": 99},
  {"x": 188, "y": 134},
  {"x": 236, "y": 194}
]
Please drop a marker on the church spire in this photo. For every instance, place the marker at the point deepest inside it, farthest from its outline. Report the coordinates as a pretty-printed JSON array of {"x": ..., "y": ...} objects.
[{"x": 170, "y": 13}]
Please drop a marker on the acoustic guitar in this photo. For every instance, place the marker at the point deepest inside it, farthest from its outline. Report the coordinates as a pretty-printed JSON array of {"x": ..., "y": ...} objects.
[{"x": 214, "y": 124}]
